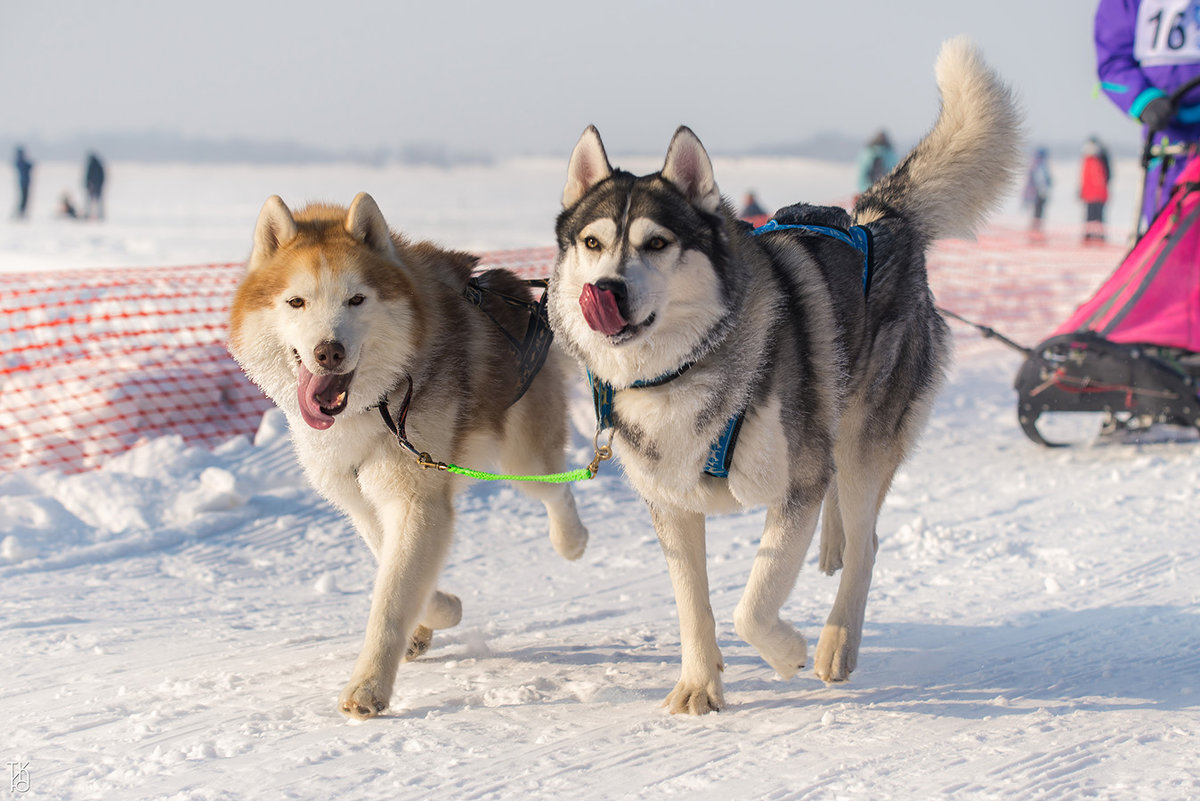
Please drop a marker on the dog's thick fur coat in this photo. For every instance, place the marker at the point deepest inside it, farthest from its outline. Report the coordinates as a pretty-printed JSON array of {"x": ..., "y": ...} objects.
[
  {"x": 336, "y": 313},
  {"x": 656, "y": 278}
]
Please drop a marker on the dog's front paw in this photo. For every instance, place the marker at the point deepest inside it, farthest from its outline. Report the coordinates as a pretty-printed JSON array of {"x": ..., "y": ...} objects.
[
  {"x": 783, "y": 648},
  {"x": 569, "y": 539},
  {"x": 786, "y": 651},
  {"x": 362, "y": 700},
  {"x": 695, "y": 699},
  {"x": 837, "y": 654}
]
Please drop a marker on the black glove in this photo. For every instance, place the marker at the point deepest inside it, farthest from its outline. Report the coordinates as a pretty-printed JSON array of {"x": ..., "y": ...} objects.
[{"x": 1157, "y": 114}]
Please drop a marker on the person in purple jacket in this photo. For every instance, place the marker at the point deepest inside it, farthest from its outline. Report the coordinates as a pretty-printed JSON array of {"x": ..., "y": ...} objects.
[{"x": 1145, "y": 51}]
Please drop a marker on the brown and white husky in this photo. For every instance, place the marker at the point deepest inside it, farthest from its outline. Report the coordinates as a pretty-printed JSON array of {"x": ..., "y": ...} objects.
[{"x": 335, "y": 313}]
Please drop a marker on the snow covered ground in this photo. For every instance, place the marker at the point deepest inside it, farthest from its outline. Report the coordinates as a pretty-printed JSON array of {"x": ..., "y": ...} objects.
[{"x": 178, "y": 624}]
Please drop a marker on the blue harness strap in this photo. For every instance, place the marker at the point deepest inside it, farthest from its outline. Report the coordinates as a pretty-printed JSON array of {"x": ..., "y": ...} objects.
[
  {"x": 855, "y": 236},
  {"x": 720, "y": 453},
  {"x": 602, "y": 399}
]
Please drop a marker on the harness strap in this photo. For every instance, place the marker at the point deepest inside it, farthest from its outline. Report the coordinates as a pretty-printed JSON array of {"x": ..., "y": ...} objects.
[
  {"x": 602, "y": 399},
  {"x": 602, "y": 392},
  {"x": 531, "y": 351},
  {"x": 856, "y": 237},
  {"x": 665, "y": 378},
  {"x": 396, "y": 426},
  {"x": 720, "y": 453}
]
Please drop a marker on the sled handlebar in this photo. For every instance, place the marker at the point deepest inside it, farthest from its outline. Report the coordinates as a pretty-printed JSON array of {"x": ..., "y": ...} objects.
[{"x": 1175, "y": 99}]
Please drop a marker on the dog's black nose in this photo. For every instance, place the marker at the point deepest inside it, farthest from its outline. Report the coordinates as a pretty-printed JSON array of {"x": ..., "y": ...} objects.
[
  {"x": 330, "y": 355},
  {"x": 619, "y": 291}
]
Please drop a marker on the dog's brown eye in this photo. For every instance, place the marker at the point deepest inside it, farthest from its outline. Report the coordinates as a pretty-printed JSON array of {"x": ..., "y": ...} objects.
[
  {"x": 356, "y": 300},
  {"x": 655, "y": 243},
  {"x": 591, "y": 243},
  {"x": 296, "y": 303}
]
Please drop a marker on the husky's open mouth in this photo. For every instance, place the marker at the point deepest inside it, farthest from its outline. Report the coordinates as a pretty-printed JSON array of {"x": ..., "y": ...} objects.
[{"x": 322, "y": 396}]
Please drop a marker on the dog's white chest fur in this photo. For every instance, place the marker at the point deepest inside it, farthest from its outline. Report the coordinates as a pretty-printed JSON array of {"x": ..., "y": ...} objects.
[
  {"x": 356, "y": 437},
  {"x": 332, "y": 460},
  {"x": 667, "y": 457}
]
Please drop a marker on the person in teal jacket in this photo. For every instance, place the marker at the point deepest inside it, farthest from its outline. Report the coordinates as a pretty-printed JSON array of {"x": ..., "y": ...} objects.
[{"x": 875, "y": 161}]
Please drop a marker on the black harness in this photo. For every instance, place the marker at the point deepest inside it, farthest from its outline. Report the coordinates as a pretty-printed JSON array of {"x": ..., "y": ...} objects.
[{"x": 530, "y": 352}]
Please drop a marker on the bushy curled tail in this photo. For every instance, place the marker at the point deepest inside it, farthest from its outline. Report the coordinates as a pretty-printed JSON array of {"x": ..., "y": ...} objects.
[{"x": 962, "y": 168}]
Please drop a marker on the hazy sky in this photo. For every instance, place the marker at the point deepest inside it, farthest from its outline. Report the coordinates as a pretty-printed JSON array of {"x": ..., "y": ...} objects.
[{"x": 527, "y": 77}]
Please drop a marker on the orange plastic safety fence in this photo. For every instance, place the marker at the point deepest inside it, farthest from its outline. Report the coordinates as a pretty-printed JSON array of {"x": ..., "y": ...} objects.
[{"x": 94, "y": 362}]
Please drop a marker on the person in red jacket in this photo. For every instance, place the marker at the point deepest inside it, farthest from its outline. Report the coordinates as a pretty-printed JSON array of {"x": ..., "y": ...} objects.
[{"x": 1093, "y": 189}]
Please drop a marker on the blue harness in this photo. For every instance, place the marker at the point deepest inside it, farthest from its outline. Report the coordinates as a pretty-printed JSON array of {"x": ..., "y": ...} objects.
[
  {"x": 855, "y": 236},
  {"x": 720, "y": 453}
]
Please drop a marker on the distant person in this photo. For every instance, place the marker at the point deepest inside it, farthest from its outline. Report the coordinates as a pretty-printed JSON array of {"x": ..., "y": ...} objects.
[
  {"x": 24, "y": 168},
  {"x": 66, "y": 208},
  {"x": 874, "y": 161},
  {"x": 93, "y": 183},
  {"x": 752, "y": 211},
  {"x": 1094, "y": 176},
  {"x": 1145, "y": 51},
  {"x": 1037, "y": 191}
]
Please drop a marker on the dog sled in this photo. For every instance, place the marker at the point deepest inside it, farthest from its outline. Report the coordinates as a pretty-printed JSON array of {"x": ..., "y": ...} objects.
[{"x": 1132, "y": 351}]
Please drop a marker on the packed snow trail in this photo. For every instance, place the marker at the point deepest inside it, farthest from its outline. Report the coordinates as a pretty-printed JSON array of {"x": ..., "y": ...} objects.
[{"x": 179, "y": 623}]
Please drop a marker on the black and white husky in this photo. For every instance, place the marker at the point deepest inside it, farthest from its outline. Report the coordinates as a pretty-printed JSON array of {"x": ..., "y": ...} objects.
[{"x": 782, "y": 368}]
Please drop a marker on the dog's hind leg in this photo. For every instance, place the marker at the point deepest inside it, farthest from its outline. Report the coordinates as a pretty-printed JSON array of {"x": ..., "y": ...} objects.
[
  {"x": 833, "y": 533},
  {"x": 785, "y": 541},
  {"x": 681, "y": 535},
  {"x": 876, "y": 432},
  {"x": 863, "y": 479}
]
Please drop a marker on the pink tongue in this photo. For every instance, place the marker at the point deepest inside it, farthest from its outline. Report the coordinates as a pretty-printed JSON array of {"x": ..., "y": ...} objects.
[
  {"x": 311, "y": 386},
  {"x": 600, "y": 310}
]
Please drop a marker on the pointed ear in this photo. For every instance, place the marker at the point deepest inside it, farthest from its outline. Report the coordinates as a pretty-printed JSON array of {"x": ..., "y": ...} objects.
[
  {"x": 689, "y": 168},
  {"x": 365, "y": 223},
  {"x": 274, "y": 229},
  {"x": 589, "y": 166}
]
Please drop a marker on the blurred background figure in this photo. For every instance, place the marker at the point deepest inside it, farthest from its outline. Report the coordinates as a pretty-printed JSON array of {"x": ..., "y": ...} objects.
[
  {"x": 1094, "y": 175},
  {"x": 1145, "y": 51},
  {"x": 24, "y": 168},
  {"x": 752, "y": 211},
  {"x": 1037, "y": 192},
  {"x": 66, "y": 209},
  {"x": 874, "y": 161},
  {"x": 93, "y": 182}
]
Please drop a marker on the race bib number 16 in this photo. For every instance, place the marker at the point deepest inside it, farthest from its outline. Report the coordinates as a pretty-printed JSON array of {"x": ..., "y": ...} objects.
[{"x": 1168, "y": 32}]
